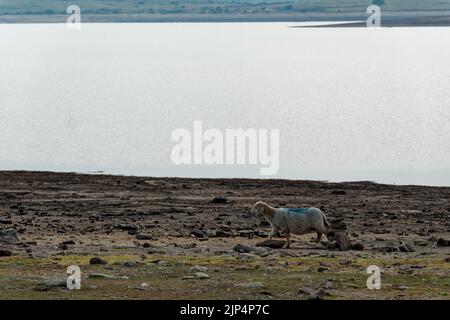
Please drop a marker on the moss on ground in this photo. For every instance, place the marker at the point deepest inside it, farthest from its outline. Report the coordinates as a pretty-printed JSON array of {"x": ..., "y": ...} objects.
[{"x": 282, "y": 277}]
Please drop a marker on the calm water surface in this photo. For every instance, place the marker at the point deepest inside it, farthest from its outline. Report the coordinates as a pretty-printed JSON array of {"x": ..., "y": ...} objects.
[{"x": 350, "y": 103}]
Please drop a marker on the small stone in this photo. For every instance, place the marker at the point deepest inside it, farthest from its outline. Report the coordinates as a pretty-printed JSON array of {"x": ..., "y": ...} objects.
[
  {"x": 188, "y": 278},
  {"x": 406, "y": 248},
  {"x": 62, "y": 246},
  {"x": 338, "y": 192},
  {"x": 130, "y": 264},
  {"x": 144, "y": 285},
  {"x": 250, "y": 285},
  {"x": 443, "y": 243},
  {"x": 219, "y": 200},
  {"x": 403, "y": 288},
  {"x": 246, "y": 257},
  {"x": 48, "y": 284},
  {"x": 345, "y": 262},
  {"x": 199, "y": 233},
  {"x": 359, "y": 246},
  {"x": 144, "y": 236},
  {"x": 201, "y": 275},
  {"x": 327, "y": 285},
  {"x": 275, "y": 244},
  {"x": 8, "y": 236},
  {"x": 97, "y": 260},
  {"x": 105, "y": 276},
  {"x": 198, "y": 269},
  {"x": 321, "y": 269},
  {"x": 5, "y": 253},
  {"x": 447, "y": 259},
  {"x": 222, "y": 234},
  {"x": 242, "y": 248}
]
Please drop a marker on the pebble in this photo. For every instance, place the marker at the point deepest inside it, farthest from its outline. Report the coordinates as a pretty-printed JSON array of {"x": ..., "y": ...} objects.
[
  {"x": 199, "y": 269},
  {"x": 201, "y": 275},
  {"x": 97, "y": 260}
]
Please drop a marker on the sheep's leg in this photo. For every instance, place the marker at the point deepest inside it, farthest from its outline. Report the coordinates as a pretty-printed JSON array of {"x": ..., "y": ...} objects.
[
  {"x": 288, "y": 240},
  {"x": 272, "y": 232},
  {"x": 319, "y": 236}
]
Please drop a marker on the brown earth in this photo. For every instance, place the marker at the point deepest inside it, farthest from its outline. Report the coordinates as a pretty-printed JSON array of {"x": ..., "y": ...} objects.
[{"x": 104, "y": 215}]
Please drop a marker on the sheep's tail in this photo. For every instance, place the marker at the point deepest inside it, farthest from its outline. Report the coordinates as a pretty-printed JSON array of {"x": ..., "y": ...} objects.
[{"x": 325, "y": 221}]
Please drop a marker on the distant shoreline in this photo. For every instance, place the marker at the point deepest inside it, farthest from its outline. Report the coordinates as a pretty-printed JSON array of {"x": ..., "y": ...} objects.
[
  {"x": 421, "y": 19},
  {"x": 107, "y": 175}
]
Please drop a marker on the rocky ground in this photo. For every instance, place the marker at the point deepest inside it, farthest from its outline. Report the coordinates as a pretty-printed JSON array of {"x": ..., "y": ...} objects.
[{"x": 174, "y": 238}]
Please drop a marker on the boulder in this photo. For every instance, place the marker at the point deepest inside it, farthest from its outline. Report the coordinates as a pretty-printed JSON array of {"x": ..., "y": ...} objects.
[
  {"x": 275, "y": 244},
  {"x": 342, "y": 240},
  {"x": 8, "y": 236},
  {"x": 5, "y": 253},
  {"x": 51, "y": 283}
]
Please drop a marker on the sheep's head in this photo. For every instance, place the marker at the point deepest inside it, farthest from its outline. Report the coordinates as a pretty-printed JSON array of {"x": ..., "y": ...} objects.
[{"x": 258, "y": 210}]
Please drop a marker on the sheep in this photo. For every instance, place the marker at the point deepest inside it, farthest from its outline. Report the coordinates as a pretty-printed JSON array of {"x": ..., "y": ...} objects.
[{"x": 292, "y": 220}]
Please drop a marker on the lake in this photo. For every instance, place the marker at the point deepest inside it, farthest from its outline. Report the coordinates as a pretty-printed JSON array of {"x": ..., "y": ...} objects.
[{"x": 349, "y": 103}]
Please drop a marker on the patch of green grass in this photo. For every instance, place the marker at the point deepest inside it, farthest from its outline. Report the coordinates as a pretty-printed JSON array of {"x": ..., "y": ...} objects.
[{"x": 19, "y": 276}]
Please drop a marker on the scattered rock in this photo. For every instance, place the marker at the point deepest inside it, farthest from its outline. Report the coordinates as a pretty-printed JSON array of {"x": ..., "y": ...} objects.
[
  {"x": 275, "y": 244},
  {"x": 443, "y": 243},
  {"x": 201, "y": 275},
  {"x": 332, "y": 246},
  {"x": 5, "y": 253},
  {"x": 223, "y": 234},
  {"x": 327, "y": 285},
  {"x": 48, "y": 284},
  {"x": 341, "y": 238},
  {"x": 97, "y": 260},
  {"x": 219, "y": 200},
  {"x": 359, "y": 246},
  {"x": 144, "y": 236},
  {"x": 406, "y": 248},
  {"x": 105, "y": 276},
  {"x": 62, "y": 246},
  {"x": 246, "y": 257},
  {"x": 8, "y": 236},
  {"x": 314, "y": 294},
  {"x": 386, "y": 249},
  {"x": 199, "y": 269},
  {"x": 199, "y": 233},
  {"x": 345, "y": 262},
  {"x": 130, "y": 264},
  {"x": 250, "y": 285},
  {"x": 242, "y": 248}
]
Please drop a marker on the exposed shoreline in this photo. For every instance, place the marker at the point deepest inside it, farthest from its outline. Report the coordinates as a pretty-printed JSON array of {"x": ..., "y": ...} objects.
[{"x": 68, "y": 217}]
